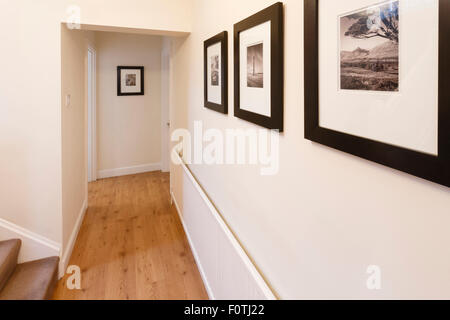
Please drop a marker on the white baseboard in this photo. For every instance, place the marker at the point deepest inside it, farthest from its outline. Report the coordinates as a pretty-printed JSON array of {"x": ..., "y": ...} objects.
[
  {"x": 128, "y": 170},
  {"x": 194, "y": 251},
  {"x": 34, "y": 246},
  {"x": 67, "y": 252}
]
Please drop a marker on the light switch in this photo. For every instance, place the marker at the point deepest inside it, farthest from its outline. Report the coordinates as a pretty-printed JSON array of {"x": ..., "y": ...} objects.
[{"x": 68, "y": 100}]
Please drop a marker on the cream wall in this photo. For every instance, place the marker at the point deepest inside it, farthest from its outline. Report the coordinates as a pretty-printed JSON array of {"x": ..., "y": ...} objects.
[
  {"x": 30, "y": 119},
  {"x": 74, "y": 45},
  {"x": 128, "y": 127},
  {"x": 157, "y": 15},
  {"x": 30, "y": 101},
  {"x": 314, "y": 228}
]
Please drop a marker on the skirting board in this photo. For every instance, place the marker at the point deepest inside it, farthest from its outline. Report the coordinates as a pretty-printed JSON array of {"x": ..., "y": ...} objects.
[
  {"x": 34, "y": 246},
  {"x": 128, "y": 170},
  {"x": 67, "y": 252}
]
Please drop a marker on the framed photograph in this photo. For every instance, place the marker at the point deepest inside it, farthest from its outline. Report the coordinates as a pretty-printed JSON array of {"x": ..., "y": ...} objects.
[
  {"x": 216, "y": 73},
  {"x": 369, "y": 59},
  {"x": 377, "y": 82},
  {"x": 130, "y": 81},
  {"x": 259, "y": 68}
]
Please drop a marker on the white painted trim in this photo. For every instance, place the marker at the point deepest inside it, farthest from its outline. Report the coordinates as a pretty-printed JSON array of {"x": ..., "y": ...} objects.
[
  {"x": 129, "y": 170},
  {"x": 30, "y": 234},
  {"x": 267, "y": 292},
  {"x": 34, "y": 246},
  {"x": 165, "y": 104},
  {"x": 92, "y": 117},
  {"x": 151, "y": 32},
  {"x": 67, "y": 252},
  {"x": 194, "y": 251}
]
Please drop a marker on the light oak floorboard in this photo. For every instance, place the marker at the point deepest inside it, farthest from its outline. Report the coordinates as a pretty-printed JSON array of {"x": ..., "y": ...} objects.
[{"x": 132, "y": 245}]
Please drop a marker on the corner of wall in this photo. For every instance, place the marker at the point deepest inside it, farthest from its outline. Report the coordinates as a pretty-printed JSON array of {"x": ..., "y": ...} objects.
[{"x": 66, "y": 252}]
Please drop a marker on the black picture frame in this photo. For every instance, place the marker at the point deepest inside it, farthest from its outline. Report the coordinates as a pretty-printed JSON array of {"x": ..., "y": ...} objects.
[
  {"x": 223, "y": 39},
  {"x": 429, "y": 167},
  {"x": 119, "y": 82},
  {"x": 275, "y": 14}
]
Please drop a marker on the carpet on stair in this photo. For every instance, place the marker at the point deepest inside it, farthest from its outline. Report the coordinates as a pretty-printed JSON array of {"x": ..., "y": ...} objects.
[
  {"x": 33, "y": 280},
  {"x": 9, "y": 252}
]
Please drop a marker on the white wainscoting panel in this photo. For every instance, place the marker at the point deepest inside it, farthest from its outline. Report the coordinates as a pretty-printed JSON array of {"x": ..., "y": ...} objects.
[{"x": 227, "y": 271}]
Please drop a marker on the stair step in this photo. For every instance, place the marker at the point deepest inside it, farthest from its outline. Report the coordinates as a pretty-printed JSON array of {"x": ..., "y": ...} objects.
[
  {"x": 9, "y": 252},
  {"x": 33, "y": 280}
]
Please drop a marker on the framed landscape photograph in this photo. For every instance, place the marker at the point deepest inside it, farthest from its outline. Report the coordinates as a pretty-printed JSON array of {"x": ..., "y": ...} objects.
[
  {"x": 377, "y": 79},
  {"x": 216, "y": 73},
  {"x": 130, "y": 81},
  {"x": 258, "y": 68},
  {"x": 369, "y": 55}
]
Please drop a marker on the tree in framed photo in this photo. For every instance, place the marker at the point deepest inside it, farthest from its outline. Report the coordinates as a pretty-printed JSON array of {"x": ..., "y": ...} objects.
[
  {"x": 383, "y": 104},
  {"x": 370, "y": 49}
]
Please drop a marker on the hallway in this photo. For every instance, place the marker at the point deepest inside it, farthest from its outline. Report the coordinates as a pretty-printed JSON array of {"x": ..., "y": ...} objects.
[{"x": 132, "y": 245}]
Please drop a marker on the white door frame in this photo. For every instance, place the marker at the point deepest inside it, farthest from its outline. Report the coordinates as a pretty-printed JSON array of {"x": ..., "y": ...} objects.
[
  {"x": 165, "y": 104},
  {"x": 92, "y": 114}
]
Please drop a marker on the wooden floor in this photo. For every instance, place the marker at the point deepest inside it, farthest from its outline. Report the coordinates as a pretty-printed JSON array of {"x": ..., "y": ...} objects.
[{"x": 132, "y": 244}]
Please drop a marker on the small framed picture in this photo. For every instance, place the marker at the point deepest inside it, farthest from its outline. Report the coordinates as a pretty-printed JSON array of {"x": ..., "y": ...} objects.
[
  {"x": 216, "y": 73},
  {"x": 377, "y": 79},
  {"x": 259, "y": 68},
  {"x": 130, "y": 81}
]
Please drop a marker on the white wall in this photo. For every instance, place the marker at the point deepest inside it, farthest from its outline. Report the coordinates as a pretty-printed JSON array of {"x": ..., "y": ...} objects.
[
  {"x": 74, "y": 46},
  {"x": 30, "y": 101},
  {"x": 157, "y": 15},
  {"x": 128, "y": 127},
  {"x": 30, "y": 118},
  {"x": 314, "y": 228}
]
